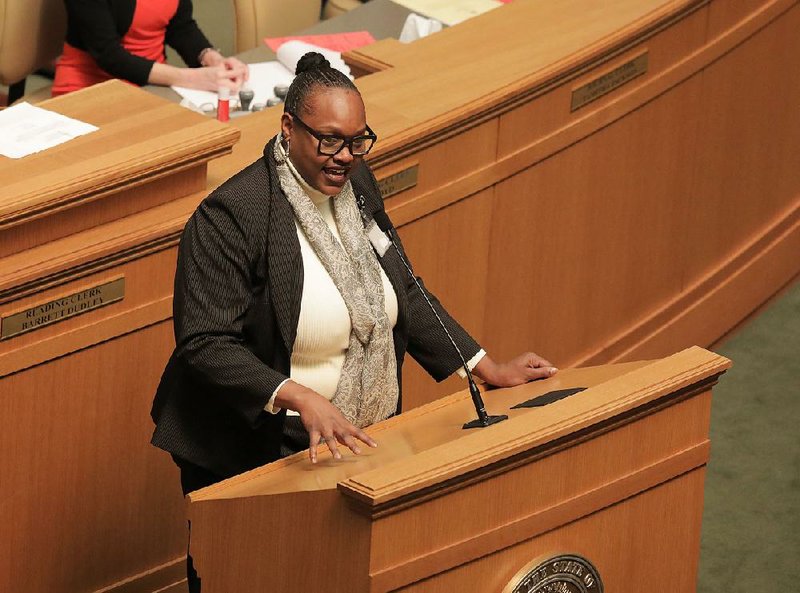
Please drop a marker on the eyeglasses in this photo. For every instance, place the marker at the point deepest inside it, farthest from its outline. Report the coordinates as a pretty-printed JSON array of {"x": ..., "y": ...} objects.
[{"x": 331, "y": 144}]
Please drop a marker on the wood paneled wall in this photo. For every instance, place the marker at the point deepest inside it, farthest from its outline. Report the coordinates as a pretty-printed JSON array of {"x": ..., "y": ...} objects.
[{"x": 86, "y": 504}]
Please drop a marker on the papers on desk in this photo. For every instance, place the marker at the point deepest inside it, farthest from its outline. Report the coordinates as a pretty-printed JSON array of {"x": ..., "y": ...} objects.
[
  {"x": 450, "y": 12},
  {"x": 25, "y": 129},
  {"x": 265, "y": 76}
]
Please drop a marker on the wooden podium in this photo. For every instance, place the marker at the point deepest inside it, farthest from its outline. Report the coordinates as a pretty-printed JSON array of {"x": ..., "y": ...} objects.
[{"x": 613, "y": 475}]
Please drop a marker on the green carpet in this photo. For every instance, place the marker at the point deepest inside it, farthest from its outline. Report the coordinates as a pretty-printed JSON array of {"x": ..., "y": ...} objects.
[{"x": 751, "y": 521}]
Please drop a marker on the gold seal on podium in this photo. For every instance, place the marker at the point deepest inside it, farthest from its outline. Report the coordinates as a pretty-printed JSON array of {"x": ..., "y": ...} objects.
[{"x": 565, "y": 573}]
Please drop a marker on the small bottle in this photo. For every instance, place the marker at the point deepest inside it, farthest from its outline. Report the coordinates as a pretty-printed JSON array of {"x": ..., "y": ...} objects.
[{"x": 223, "y": 103}]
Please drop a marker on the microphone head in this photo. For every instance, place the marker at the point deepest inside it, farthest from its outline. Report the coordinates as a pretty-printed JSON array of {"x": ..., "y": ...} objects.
[{"x": 382, "y": 220}]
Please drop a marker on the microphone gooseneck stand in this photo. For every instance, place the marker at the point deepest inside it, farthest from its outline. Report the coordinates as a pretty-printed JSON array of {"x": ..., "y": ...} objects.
[{"x": 484, "y": 419}]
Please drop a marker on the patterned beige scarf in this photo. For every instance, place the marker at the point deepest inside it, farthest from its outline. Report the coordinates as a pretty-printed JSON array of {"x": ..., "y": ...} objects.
[{"x": 367, "y": 391}]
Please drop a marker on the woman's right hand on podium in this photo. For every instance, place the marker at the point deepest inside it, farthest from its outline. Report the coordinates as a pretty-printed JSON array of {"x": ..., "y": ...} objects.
[{"x": 322, "y": 420}]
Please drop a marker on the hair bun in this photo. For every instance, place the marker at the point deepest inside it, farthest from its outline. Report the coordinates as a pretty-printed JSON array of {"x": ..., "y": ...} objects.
[{"x": 311, "y": 61}]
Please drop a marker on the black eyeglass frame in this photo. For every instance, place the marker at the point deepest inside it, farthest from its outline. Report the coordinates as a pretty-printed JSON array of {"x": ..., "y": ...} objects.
[{"x": 346, "y": 140}]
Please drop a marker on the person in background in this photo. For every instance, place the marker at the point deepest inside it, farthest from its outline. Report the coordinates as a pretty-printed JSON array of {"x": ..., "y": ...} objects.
[{"x": 126, "y": 39}]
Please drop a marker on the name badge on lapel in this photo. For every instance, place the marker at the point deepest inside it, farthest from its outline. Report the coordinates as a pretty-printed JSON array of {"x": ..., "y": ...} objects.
[{"x": 378, "y": 238}]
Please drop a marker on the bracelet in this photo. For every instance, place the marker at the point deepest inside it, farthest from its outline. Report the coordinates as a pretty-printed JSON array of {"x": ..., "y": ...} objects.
[{"x": 203, "y": 53}]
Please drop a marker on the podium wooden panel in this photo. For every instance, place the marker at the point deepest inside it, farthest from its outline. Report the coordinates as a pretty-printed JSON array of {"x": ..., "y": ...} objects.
[{"x": 613, "y": 474}]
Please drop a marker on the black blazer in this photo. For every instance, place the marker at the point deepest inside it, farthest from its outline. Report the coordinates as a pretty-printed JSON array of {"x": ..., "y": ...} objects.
[
  {"x": 238, "y": 287},
  {"x": 98, "y": 26}
]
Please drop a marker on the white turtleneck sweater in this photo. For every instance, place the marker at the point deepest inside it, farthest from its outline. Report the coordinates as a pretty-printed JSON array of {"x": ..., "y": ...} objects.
[{"x": 323, "y": 329}]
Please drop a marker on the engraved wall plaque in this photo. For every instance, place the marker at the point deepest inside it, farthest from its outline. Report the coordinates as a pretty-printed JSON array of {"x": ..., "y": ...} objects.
[
  {"x": 604, "y": 84},
  {"x": 565, "y": 573},
  {"x": 62, "y": 308},
  {"x": 401, "y": 181}
]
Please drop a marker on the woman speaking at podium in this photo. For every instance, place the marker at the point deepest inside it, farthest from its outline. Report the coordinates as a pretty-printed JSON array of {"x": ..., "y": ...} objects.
[
  {"x": 290, "y": 327},
  {"x": 126, "y": 38}
]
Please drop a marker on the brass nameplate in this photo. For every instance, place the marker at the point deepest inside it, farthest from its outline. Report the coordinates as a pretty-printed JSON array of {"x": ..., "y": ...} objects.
[
  {"x": 394, "y": 184},
  {"x": 602, "y": 85},
  {"x": 62, "y": 308}
]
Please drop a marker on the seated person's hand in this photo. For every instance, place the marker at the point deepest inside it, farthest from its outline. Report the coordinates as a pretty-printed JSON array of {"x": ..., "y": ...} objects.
[
  {"x": 322, "y": 420},
  {"x": 213, "y": 78},
  {"x": 218, "y": 71},
  {"x": 521, "y": 369},
  {"x": 237, "y": 67}
]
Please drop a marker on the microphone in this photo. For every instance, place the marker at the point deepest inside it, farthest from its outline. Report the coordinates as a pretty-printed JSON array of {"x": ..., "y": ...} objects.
[{"x": 483, "y": 419}]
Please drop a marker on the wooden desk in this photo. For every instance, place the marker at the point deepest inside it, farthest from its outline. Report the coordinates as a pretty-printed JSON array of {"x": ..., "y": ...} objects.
[{"x": 86, "y": 267}]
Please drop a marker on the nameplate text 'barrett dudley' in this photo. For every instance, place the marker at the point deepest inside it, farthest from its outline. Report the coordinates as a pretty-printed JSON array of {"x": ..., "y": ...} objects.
[
  {"x": 602, "y": 85},
  {"x": 401, "y": 181},
  {"x": 62, "y": 308}
]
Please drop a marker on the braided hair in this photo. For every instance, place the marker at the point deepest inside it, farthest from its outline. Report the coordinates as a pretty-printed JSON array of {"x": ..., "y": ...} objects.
[{"x": 313, "y": 70}]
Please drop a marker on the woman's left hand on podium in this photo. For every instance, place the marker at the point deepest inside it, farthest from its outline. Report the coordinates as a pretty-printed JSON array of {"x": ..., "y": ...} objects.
[{"x": 521, "y": 369}]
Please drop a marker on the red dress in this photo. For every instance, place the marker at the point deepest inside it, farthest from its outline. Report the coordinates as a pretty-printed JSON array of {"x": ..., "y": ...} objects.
[{"x": 76, "y": 69}]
